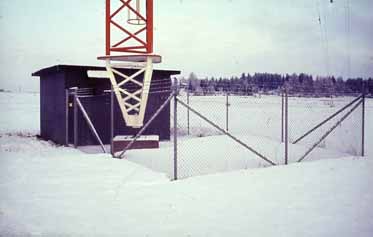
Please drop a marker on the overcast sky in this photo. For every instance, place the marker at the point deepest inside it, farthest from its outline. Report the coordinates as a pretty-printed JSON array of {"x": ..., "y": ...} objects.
[{"x": 208, "y": 37}]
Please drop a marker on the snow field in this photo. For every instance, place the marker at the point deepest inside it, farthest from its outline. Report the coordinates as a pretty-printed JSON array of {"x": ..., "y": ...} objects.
[
  {"x": 20, "y": 113},
  {"x": 213, "y": 154},
  {"x": 60, "y": 191},
  {"x": 43, "y": 181}
]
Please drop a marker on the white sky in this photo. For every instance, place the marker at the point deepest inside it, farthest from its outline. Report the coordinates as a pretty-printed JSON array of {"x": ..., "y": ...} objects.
[{"x": 210, "y": 37}]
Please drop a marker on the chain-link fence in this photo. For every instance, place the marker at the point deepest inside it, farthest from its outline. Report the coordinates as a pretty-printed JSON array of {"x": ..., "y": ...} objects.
[
  {"x": 229, "y": 130},
  {"x": 235, "y": 130},
  {"x": 325, "y": 125}
]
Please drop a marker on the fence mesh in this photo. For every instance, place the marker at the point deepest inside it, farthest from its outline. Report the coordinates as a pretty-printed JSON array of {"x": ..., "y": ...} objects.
[
  {"x": 258, "y": 120},
  {"x": 254, "y": 120},
  {"x": 225, "y": 131},
  {"x": 207, "y": 150},
  {"x": 340, "y": 135}
]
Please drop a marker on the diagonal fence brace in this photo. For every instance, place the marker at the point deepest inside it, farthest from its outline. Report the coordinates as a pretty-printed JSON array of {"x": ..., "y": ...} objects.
[
  {"x": 330, "y": 131},
  {"x": 226, "y": 133},
  {"x": 90, "y": 124},
  {"x": 327, "y": 119}
]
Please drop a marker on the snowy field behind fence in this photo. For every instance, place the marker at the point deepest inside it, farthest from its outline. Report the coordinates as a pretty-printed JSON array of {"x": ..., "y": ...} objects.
[{"x": 261, "y": 117}]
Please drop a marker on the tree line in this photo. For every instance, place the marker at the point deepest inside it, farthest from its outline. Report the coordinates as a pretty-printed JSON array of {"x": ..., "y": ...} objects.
[{"x": 272, "y": 83}]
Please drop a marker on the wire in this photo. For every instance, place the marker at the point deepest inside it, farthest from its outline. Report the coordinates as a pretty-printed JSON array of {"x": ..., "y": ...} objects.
[
  {"x": 325, "y": 32},
  {"x": 323, "y": 36},
  {"x": 348, "y": 37}
]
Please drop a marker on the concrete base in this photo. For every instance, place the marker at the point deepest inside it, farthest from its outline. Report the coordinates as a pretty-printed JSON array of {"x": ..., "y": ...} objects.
[{"x": 143, "y": 142}]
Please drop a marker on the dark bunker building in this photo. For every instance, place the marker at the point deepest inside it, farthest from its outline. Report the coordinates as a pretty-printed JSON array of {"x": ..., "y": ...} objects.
[{"x": 57, "y": 115}]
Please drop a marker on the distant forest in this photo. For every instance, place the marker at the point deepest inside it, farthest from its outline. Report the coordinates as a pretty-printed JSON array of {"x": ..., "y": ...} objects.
[{"x": 272, "y": 83}]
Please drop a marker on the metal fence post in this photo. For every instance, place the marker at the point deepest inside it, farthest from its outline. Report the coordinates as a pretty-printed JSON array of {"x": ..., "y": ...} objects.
[
  {"x": 282, "y": 114},
  {"x": 111, "y": 121},
  {"x": 67, "y": 117},
  {"x": 75, "y": 119},
  {"x": 188, "y": 108},
  {"x": 363, "y": 120},
  {"x": 286, "y": 123},
  {"x": 227, "y": 112},
  {"x": 175, "y": 129}
]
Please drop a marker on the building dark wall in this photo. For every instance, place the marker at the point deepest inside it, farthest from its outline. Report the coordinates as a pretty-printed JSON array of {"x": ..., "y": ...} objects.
[
  {"x": 53, "y": 84},
  {"x": 52, "y": 108}
]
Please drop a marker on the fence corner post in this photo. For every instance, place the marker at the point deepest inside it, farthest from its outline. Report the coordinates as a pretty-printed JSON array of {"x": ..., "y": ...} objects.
[
  {"x": 188, "y": 123},
  {"x": 282, "y": 113},
  {"x": 75, "y": 119},
  {"x": 286, "y": 123},
  {"x": 112, "y": 121},
  {"x": 227, "y": 112},
  {"x": 67, "y": 117},
  {"x": 175, "y": 92},
  {"x": 363, "y": 119}
]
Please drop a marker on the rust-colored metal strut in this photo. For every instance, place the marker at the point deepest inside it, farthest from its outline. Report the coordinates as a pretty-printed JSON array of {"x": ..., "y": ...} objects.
[{"x": 137, "y": 30}]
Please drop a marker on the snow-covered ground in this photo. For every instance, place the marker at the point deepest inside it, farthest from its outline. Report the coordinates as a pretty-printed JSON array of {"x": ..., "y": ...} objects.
[
  {"x": 20, "y": 113},
  {"x": 212, "y": 154},
  {"x": 47, "y": 190}
]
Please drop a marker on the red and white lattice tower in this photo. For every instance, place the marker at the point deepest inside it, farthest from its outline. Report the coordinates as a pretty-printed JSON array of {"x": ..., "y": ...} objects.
[{"x": 129, "y": 43}]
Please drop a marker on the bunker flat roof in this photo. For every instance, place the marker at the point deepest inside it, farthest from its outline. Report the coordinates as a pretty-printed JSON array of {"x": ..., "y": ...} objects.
[{"x": 63, "y": 67}]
